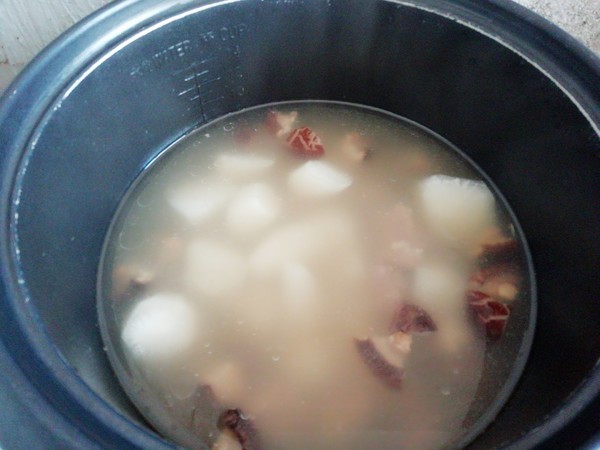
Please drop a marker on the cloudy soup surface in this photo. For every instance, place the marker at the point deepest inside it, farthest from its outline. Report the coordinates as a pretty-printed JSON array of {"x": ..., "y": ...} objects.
[{"x": 314, "y": 275}]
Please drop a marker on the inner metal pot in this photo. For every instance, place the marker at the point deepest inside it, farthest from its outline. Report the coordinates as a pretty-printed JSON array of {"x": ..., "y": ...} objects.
[{"x": 516, "y": 95}]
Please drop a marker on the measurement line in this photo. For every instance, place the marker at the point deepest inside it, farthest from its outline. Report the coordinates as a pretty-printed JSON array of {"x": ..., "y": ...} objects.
[
  {"x": 210, "y": 80},
  {"x": 186, "y": 91},
  {"x": 194, "y": 65},
  {"x": 202, "y": 112},
  {"x": 208, "y": 102}
]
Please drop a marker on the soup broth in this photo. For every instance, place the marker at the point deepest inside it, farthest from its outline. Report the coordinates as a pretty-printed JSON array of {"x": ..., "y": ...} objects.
[{"x": 314, "y": 275}]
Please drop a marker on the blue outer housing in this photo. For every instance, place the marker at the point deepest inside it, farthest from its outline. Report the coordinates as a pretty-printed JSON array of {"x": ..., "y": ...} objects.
[{"x": 46, "y": 405}]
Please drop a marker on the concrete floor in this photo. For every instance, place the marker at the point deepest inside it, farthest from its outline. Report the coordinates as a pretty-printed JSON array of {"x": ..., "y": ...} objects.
[
  {"x": 26, "y": 26},
  {"x": 581, "y": 18}
]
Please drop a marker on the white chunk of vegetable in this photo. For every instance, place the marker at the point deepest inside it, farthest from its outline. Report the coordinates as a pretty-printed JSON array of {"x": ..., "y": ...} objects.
[
  {"x": 199, "y": 203},
  {"x": 306, "y": 242},
  {"x": 254, "y": 208},
  {"x": 456, "y": 208},
  {"x": 454, "y": 332},
  {"x": 438, "y": 286},
  {"x": 318, "y": 179},
  {"x": 214, "y": 268},
  {"x": 299, "y": 289},
  {"x": 239, "y": 165},
  {"x": 290, "y": 243},
  {"x": 160, "y": 327}
]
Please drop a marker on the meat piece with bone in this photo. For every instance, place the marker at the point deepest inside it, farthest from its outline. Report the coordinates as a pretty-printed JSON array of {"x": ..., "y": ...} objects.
[
  {"x": 356, "y": 147},
  {"x": 242, "y": 427},
  {"x": 385, "y": 356},
  {"x": 412, "y": 319},
  {"x": 279, "y": 123},
  {"x": 382, "y": 360}
]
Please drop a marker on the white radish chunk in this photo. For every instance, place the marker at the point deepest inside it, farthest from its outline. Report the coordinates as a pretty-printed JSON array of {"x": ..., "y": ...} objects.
[
  {"x": 456, "y": 208},
  {"x": 315, "y": 179},
  {"x": 440, "y": 289},
  {"x": 439, "y": 286},
  {"x": 294, "y": 242},
  {"x": 240, "y": 165},
  {"x": 305, "y": 242},
  {"x": 214, "y": 268},
  {"x": 299, "y": 289},
  {"x": 199, "y": 203},
  {"x": 160, "y": 327},
  {"x": 454, "y": 332},
  {"x": 254, "y": 208}
]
